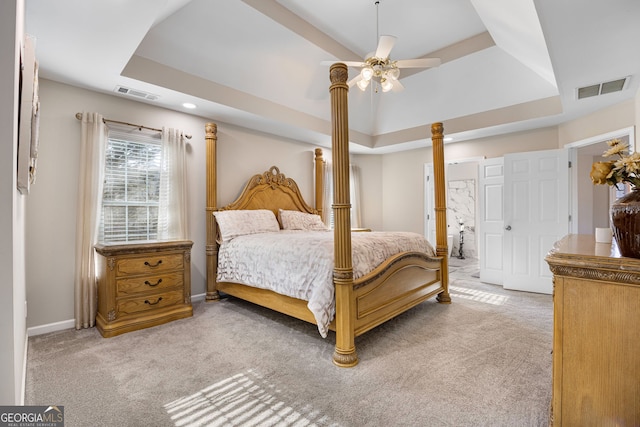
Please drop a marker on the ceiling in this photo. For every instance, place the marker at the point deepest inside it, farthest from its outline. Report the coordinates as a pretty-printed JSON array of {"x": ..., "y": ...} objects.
[{"x": 507, "y": 65}]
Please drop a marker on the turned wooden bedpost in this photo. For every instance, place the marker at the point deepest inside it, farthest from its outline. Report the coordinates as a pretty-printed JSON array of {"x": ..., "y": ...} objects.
[
  {"x": 345, "y": 351},
  {"x": 211, "y": 139},
  {"x": 440, "y": 208},
  {"x": 319, "y": 183}
]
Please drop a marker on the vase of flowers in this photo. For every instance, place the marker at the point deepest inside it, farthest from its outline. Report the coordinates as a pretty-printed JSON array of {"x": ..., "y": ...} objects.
[{"x": 625, "y": 212}]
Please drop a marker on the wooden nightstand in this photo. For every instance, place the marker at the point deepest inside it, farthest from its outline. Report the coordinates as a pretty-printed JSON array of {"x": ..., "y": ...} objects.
[{"x": 142, "y": 285}]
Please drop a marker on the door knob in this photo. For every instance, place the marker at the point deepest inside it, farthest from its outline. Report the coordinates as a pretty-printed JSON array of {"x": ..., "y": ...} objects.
[{"x": 508, "y": 228}]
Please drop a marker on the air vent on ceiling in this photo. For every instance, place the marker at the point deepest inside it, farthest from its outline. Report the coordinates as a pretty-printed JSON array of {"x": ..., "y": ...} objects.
[
  {"x": 136, "y": 93},
  {"x": 602, "y": 88}
]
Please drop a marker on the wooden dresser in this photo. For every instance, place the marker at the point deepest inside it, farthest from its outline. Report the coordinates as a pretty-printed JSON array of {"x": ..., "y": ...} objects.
[
  {"x": 596, "y": 343},
  {"x": 142, "y": 284}
]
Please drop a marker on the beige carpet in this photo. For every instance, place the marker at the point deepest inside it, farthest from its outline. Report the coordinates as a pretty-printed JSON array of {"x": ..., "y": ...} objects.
[{"x": 484, "y": 360}]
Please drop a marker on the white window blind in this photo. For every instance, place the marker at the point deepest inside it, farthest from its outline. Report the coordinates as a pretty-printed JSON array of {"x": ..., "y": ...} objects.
[
  {"x": 131, "y": 187},
  {"x": 354, "y": 195}
]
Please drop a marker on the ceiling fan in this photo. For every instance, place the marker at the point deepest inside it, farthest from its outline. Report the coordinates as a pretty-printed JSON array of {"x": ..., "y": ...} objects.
[{"x": 380, "y": 68}]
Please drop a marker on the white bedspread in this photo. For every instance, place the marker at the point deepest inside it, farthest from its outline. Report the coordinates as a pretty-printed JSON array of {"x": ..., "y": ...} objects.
[{"x": 300, "y": 264}]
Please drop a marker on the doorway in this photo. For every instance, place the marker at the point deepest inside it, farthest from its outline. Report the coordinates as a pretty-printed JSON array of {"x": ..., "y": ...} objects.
[
  {"x": 589, "y": 203},
  {"x": 523, "y": 209},
  {"x": 461, "y": 184}
]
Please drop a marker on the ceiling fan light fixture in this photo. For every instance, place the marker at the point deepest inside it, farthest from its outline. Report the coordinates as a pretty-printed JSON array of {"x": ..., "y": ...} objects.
[
  {"x": 362, "y": 84},
  {"x": 379, "y": 67},
  {"x": 367, "y": 73},
  {"x": 386, "y": 85}
]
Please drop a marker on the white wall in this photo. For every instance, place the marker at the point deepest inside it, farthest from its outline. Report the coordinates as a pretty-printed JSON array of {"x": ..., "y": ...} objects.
[
  {"x": 403, "y": 190},
  {"x": 371, "y": 189},
  {"x": 12, "y": 260},
  {"x": 499, "y": 145},
  {"x": 51, "y": 205},
  {"x": 586, "y": 190},
  {"x": 602, "y": 200},
  {"x": 616, "y": 117},
  {"x": 637, "y": 113},
  {"x": 593, "y": 200}
]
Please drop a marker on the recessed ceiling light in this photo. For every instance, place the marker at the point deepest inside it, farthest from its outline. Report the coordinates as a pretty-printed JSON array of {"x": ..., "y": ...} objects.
[{"x": 189, "y": 105}]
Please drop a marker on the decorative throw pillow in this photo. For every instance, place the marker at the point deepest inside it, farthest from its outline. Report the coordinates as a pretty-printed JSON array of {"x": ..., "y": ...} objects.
[
  {"x": 295, "y": 220},
  {"x": 241, "y": 222}
]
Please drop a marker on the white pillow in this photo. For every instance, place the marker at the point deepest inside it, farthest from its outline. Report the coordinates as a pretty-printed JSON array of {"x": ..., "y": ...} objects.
[
  {"x": 295, "y": 220},
  {"x": 234, "y": 223}
]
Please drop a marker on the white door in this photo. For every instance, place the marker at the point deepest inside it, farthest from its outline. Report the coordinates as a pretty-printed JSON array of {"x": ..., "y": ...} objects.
[
  {"x": 429, "y": 205},
  {"x": 491, "y": 225},
  {"x": 536, "y": 215}
]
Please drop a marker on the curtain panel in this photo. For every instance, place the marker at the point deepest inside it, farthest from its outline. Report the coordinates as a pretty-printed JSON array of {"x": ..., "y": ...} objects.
[
  {"x": 88, "y": 212},
  {"x": 172, "y": 209}
]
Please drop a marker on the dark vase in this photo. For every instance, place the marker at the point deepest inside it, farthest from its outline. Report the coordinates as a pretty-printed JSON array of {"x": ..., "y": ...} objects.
[{"x": 625, "y": 223}]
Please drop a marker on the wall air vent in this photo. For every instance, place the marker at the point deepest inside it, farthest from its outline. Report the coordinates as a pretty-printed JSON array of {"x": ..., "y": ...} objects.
[
  {"x": 136, "y": 93},
  {"x": 602, "y": 88}
]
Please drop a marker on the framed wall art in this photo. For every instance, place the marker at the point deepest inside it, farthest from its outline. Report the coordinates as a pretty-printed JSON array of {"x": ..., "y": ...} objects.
[{"x": 28, "y": 116}]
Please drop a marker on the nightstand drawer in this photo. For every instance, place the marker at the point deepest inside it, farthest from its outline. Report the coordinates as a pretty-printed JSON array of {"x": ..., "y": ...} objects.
[
  {"x": 150, "y": 302},
  {"x": 135, "y": 285},
  {"x": 149, "y": 264}
]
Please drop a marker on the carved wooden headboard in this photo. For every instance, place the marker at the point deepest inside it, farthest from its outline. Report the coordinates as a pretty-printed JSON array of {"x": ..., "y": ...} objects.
[{"x": 271, "y": 190}]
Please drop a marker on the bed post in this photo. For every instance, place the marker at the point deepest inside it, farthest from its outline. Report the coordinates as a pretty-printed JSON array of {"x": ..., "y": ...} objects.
[
  {"x": 319, "y": 183},
  {"x": 441, "y": 209},
  {"x": 345, "y": 351},
  {"x": 211, "y": 139}
]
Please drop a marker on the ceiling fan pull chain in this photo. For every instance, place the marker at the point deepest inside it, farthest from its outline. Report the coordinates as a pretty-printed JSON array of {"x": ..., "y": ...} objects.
[{"x": 377, "y": 20}]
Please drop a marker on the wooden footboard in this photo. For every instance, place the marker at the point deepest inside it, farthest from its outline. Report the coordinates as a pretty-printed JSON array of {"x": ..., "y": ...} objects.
[
  {"x": 400, "y": 283},
  {"x": 397, "y": 285}
]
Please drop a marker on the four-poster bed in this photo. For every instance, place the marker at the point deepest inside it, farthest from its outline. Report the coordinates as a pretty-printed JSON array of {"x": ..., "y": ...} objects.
[{"x": 364, "y": 300}]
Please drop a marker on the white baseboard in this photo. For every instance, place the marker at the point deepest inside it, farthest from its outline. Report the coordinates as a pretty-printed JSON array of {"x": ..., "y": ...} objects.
[
  {"x": 199, "y": 297},
  {"x": 23, "y": 391},
  {"x": 51, "y": 327},
  {"x": 71, "y": 323}
]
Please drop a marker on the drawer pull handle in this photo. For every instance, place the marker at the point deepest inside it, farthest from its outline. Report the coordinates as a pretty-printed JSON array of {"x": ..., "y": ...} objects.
[
  {"x": 148, "y": 283},
  {"x": 152, "y": 303},
  {"x": 154, "y": 265}
]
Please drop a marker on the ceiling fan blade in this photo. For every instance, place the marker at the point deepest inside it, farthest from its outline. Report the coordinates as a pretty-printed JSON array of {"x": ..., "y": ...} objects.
[
  {"x": 418, "y": 63},
  {"x": 385, "y": 44},
  {"x": 354, "y": 80},
  {"x": 347, "y": 63},
  {"x": 397, "y": 86}
]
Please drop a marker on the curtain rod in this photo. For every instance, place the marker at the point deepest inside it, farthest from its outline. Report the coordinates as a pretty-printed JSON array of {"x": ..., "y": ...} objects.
[{"x": 79, "y": 117}]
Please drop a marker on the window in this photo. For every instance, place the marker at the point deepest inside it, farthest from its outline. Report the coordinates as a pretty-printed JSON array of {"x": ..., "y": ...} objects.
[
  {"x": 131, "y": 187},
  {"x": 354, "y": 195}
]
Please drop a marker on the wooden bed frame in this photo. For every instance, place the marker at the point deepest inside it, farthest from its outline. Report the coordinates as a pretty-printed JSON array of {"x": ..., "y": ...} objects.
[{"x": 395, "y": 286}]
